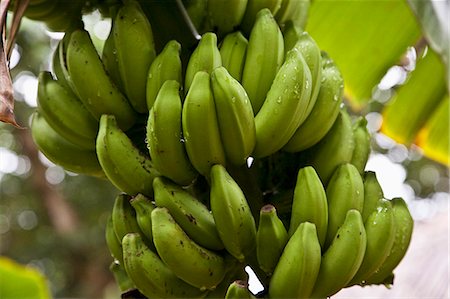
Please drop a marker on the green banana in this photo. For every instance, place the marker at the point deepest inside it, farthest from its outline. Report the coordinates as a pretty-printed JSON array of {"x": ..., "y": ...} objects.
[
  {"x": 232, "y": 215},
  {"x": 58, "y": 69},
  {"x": 309, "y": 203},
  {"x": 200, "y": 126},
  {"x": 372, "y": 193},
  {"x": 65, "y": 112},
  {"x": 342, "y": 259},
  {"x": 206, "y": 57},
  {"x": 380, "y": 232},
  {"x": 135, "y": 46},
  {"x": 193, "y": 216},
  {"x": 284, "y": 106},
  {"x": 64, "y": 16},
  {"x": 344, "y": 192},
  {"x": 325, "y": 110},
  {"x": 362, "y": 144},
  {"x": 252, "y": 10},
  {"x": 295, "y": 11},
  {"x": 109, "y": 55},
  {"x": 234, "y": 115},
  {"x": 189, "y": 261},
  {"x": 265, "y": 54},
  {"x": 226, "y": 15},
  {"x": 92, "y": 84},
  {"x": 404, "y": 224},
  {"x": 164, "y": 136},
  {"x": 334, "y": 149},
  {"x": 112, "y": 242},
  {"x": 313, "y": 58},
  {"x": 166, "y": 66},
  {"x": 197, "y": 11},
  {"x": 124, "y": 165},
  {"x": 299, "y": 264},
  {"x": 120, "y": 276},
  {"x": 238, "y": 289},
  {"x": 123, "y": 217},
  {"x": 271, "y": 238},
  {"x": 233, "y": 50},
  {"x": 291, "y": 33},
  {"x": 150, "y": 274},
  {"x": 62, "y": 152},
  {"x": 143, "y": 207}
]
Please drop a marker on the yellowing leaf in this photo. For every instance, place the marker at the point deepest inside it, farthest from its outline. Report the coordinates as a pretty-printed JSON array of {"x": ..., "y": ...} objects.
[
  {"x": 414, "y": 101},
  {"x": 433, "y": 138}
]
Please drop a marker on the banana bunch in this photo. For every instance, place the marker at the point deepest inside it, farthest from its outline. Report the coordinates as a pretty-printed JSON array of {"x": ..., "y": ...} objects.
[{"x": 242, "y": 153}]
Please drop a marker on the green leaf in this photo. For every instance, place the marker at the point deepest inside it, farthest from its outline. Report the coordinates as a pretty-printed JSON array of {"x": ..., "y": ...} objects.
[
  {"x": 364, "y": 37},
  {"x": 19, "y": 282}
]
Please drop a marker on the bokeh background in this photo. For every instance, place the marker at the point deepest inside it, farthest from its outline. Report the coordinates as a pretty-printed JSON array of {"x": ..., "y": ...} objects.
[{"x": 53, "y": 220}]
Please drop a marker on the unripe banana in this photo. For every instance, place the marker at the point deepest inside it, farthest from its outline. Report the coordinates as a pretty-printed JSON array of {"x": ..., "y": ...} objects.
[
  {"x": 232, "y": 215},
  {"x": 59, "y": 70},
  {"x": 295, "y": 11},
  {"x": 345, "y": 192},
  {"x": 234, "y": 115},
  {"x": 342, "y": 259},
  {"x": 143, "y": 207},
  {"x": 124, "y": 217},
  {"x": 252, "y": 10},
  {"x": 124, "y": 165},
  {"x": 309, "y": 203},
  {"x": 92, "y": 84},
  {"x": 164, "y": 136},
  {"x": 238, "y": 289},
  {"x": 197, "y": 11},
  {"x": 233, "y": 50},
  {"x": 299, "y": 264},
  {"x": 120, "y": 276},
  {"x": 313, "y": 58},
  {"x": 193, "y": 216},
  {"x": 362, "y": 144},
  {"x": 334, "y": 149},
  {"x": 200, "y": 126},
  {"x": 380, "y": 232},
  {"x": 291, "y": 33},
  {"x": 325, "y": 110},
  {"x": 135, "y": 46},
  {"x": 284, "y": 106},
  {"x": 62, "y": 152},
  {"x": 189, "y": 261},
  {"x": 404, "y": 224},
  {"x": 150, "y": 275},
  {"x": 271, "y": 238},
  {"x": 372, "y": 194},
  {"x": 226, "y": 15},
  {"x": 206, "y": 57},
  {"x": 65, "y": 112},
  {"x": 166, "y": 66},
  {"x": 109, "y": 55},
  {"x": 112, "y": 242},
  {"x": 265, "y": 54}
]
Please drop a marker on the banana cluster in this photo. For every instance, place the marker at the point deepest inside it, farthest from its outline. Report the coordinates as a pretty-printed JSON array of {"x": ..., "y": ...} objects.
[
  {"x": 339, "y": 235},
  {"x": 243, "y": 154},
  {"x": 173, "y": 245}
]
